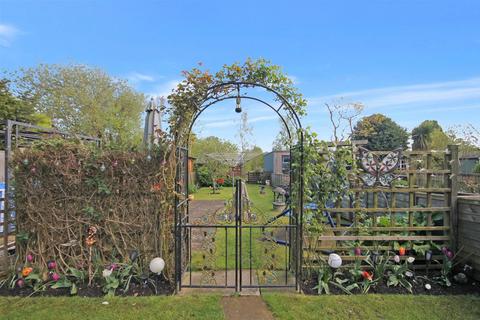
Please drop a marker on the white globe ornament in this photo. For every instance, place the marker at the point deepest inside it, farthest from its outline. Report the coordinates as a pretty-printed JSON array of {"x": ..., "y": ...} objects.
[
  {"x": 334, "y": 260},
  {"x": 157, "y": 265}
]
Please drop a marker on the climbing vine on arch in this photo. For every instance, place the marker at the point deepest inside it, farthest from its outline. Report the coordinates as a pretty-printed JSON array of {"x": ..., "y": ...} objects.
[{"x": 193, "y": 90}]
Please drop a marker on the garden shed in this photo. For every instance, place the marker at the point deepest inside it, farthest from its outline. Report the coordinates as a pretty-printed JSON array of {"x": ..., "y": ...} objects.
[{"x": 277, "y": 164}]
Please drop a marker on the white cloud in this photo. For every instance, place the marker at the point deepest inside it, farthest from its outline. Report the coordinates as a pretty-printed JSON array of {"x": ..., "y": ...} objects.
[
  {"x": 164, "y": 89},
  {"x": 410, "y": 95},
  {"x": 136, "y": 77},
  {"x": 235, "y": 121},
  {"x": 7, "y": 34}
]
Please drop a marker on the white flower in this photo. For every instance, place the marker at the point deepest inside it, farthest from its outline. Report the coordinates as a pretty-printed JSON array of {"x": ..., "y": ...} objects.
[
  {"x": 409, "y": 274},
  {"x": 106, "y": 272},
  {"x": 428, "y": 286},
  {"x": 410, "y": 259},
  {"x": 396, "y": 258}
]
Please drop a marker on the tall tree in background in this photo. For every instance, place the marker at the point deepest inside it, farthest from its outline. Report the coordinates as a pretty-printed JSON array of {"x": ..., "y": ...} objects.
[
  {"x": 244, "y": 136},
  {"x": 381, "y": 132},
  {"x": 422, "y": 135},
  {"x": 254, "y": 159},
  {"x": 81, "y": 99},
  {"x": 282, "y": 140},
  {"x": 212, "y": 155},
  {"x": 13, "y": 108},
  {"x": 342, "y": 117}
]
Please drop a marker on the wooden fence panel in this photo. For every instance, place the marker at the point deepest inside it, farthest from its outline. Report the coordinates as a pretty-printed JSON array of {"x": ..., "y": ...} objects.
[
  {"x": 406, "y": 213},
  {"x": 469, "y": 231}
]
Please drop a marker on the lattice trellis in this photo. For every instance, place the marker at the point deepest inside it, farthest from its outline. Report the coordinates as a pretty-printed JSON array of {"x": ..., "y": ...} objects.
[{"x": 408, "y": 211}]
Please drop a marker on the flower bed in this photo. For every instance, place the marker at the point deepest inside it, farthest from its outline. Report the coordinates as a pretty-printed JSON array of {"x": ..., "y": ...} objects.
[{"x": 391, "y": 273}]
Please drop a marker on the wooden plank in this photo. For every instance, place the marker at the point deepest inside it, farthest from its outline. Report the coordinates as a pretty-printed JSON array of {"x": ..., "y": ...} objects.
[
  {"x": 355, "y": 258},
  {"x": 385, "y": 210},
  {"x": 349, "y": 248},
  {"x": 429, "y": 194},
  {"x": 383, "y": 238},
  {"x": 411, "y": 197},
  {"x": 468, "y": 217},
  {"x": 465, "y": 208},
  {"x": 416, "y": 228},
  {"x": 433, "y": 266},
  {"x": 425, "y": 171},
  {"x": 415, "y": 152},
  {"x": 455, "y": 168},
  {"x": 401, "y": 190}
]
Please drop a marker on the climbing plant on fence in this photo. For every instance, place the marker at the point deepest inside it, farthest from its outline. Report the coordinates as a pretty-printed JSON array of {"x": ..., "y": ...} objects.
[
  {"x": 407, "y": 215},
  {"x": 63, "y": 189}
]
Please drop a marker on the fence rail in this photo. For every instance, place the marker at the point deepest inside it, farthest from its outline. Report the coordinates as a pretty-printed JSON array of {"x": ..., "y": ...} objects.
[{"x": 467, "y": 183}]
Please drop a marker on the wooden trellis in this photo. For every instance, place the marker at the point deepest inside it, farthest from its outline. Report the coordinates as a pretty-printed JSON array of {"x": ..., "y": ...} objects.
[{"x": 410, "y": 212}]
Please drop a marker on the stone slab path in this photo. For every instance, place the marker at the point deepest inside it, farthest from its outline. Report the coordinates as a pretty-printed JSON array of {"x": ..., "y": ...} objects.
[{"x": 248, "y": 307}]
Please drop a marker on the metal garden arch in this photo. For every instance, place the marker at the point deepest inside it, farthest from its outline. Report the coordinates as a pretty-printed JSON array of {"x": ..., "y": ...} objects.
[{"x": 186, "y": 230}]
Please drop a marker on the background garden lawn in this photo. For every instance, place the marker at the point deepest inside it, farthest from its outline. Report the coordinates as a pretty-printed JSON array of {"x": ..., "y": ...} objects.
[
  {"x": 166, "y": 307},
  {"x": 373, "y": 306},
  {"x": 262, "y": 204},
  {"x": 207, "y": 306}
]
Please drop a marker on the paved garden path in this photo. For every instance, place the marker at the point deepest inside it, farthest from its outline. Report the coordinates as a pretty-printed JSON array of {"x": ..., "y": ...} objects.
[{"x": 247, "y": 307}]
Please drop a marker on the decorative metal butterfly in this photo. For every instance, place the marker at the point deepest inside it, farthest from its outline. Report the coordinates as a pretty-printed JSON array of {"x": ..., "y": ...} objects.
[{"x": 378, "y": 171}]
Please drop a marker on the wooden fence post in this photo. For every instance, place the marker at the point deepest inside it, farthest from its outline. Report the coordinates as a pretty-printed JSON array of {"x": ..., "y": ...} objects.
[{"x": 455, "y": 170}]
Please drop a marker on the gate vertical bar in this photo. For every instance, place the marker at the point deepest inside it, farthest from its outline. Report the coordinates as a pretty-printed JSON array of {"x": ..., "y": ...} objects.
[
  {"x": 299, "y": 224},
  {"x": 176, "y": 224},
  {"x": 240, "y": 211},
  {"x": 236, "y": 235},
  {"x": 6, "y": 201},
  {"x": 186, "y": 175}
]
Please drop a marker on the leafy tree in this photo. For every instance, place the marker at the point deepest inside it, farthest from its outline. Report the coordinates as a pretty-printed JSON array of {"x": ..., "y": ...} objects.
[
  {"x": 439, "y": 140},
  {"x": 212, "y": 155},
  {"x": 254, "y": 158},
  {"x": 82, "y": 99},
  {"x": 13, "y": 108},
  {"x": 342, "y": 117},
  {"x": 381, "y": 132},
  {"x": 476, "y": 169},
  {"x": 422, "y": 135},
  {"x": 283, "y": 141},
  {"x": 200, "y": 147}
]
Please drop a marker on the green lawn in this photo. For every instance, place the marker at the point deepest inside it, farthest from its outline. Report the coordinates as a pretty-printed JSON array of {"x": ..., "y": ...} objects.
[
  {"x": 262, "y": 206},
  {"x": 167, "y": 307},
  {"x": 207, "y": 306},
  {"x": 373, "y": 307},
  {"x": 262, "y": 202}
]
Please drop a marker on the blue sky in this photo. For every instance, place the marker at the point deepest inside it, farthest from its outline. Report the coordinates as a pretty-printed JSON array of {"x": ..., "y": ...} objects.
[{"x": 411, "y": 60}]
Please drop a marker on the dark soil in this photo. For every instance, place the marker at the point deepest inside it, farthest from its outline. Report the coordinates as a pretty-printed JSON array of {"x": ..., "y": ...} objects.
[
  {"x": 136, "y": 289},
  {"x": 418, "y": 287}
]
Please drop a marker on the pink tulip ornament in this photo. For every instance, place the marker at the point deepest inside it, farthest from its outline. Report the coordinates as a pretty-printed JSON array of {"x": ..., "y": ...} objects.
[
  {"x": 55, "y": 276},
  {"x": 51, "y": 265}
]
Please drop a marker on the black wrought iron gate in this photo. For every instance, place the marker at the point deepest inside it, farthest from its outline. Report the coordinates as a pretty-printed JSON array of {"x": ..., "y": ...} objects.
[{"x": 240, "y": 245}]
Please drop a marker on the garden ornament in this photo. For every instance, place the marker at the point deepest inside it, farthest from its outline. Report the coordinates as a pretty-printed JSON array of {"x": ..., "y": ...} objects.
[
  {"x": 379, "y": 171},
  {"x": 460, "y": 278},
  {"x": 157, "y": 265},
  {"x": 91, "y": 238},
  {"x": 238, "y": 107},
  {"x": 334, "y": 260}
]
